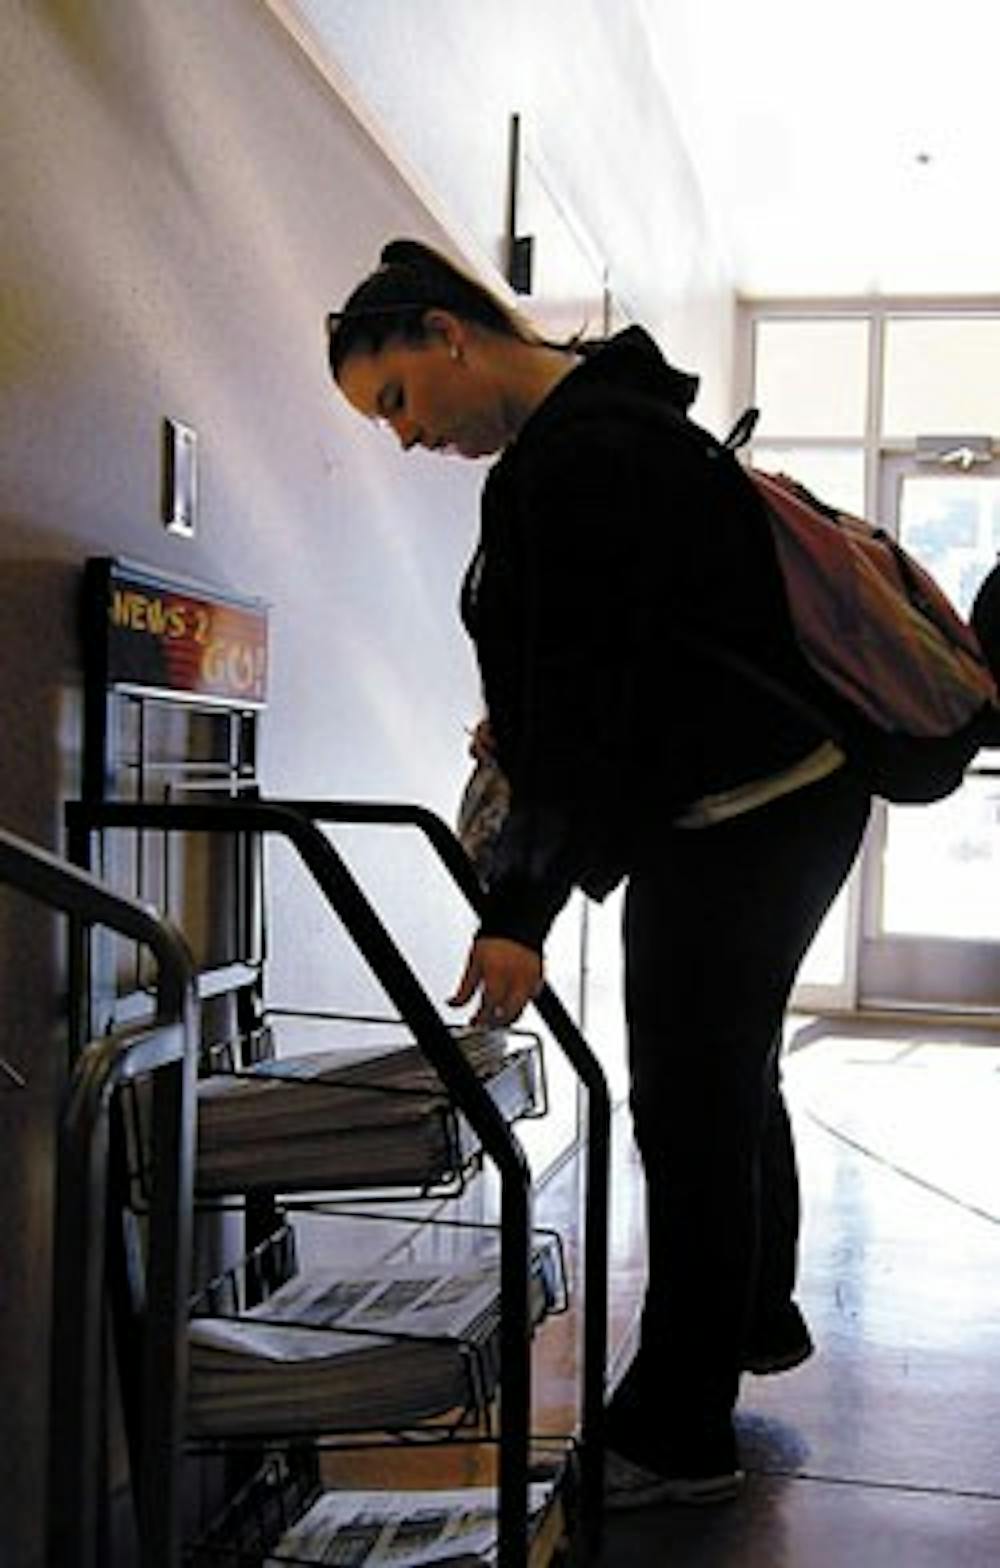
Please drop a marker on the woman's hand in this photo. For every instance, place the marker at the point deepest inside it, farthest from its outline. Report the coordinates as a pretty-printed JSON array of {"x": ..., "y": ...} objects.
[{"x": 506, "y": 976}]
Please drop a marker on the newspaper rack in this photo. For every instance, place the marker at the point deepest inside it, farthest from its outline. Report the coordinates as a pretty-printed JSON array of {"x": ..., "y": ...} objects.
[
  {"x": 299, "y": 823},
  {"x": 138, "y": 692}
]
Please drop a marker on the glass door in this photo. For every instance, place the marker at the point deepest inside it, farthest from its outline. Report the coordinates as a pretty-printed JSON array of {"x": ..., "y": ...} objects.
[{"x": 930, "y": 918}]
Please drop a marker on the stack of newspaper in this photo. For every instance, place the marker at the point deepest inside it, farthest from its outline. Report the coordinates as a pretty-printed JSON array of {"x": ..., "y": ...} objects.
[
  {"x": 415, "y": 1529},
  {"x": 351, "y": 1118},
  {"x": 377, "y": 1349}
]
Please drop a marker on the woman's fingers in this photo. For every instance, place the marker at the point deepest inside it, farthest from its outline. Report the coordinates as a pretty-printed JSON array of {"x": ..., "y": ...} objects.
[
  {"x": 469, "y": 983},
  {"x": 506, "y": 976}
]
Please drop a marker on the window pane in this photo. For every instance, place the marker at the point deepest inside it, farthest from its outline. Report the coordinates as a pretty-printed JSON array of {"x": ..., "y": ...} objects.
[
  {"x": 940, "y": 869},
  {"x": 811, "y": 377},
  {"x": 952, "y": 525},
  {"x": 942, "y": 377},
  {"x": 835, "y": 476}
]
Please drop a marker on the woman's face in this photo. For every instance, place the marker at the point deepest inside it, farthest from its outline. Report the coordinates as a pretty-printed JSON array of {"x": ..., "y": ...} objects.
[{"x": 436, "y": 393}]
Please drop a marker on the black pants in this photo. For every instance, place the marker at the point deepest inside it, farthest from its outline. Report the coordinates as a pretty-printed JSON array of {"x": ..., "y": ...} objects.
[{"x": 717, "y": 922}]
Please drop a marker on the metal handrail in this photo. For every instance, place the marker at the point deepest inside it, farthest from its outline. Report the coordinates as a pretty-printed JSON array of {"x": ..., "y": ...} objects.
[
  {"x": 598, "y": 1129},
  {"x": 352, "y": 907},
  {"x": 154, "y": 1411}
]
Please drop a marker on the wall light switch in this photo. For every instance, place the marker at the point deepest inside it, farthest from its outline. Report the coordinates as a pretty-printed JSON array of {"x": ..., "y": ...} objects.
[{"x": 180, "y": 478}]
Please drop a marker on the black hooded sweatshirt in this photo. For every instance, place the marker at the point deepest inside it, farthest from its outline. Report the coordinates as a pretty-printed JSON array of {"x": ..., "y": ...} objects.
[{"x": 608, "y": 525}]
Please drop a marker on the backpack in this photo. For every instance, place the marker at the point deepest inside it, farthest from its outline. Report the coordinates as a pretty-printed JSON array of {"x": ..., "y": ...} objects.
[
  {"x": 915, "y": 696},
  {"x": 984, "y": 618}
]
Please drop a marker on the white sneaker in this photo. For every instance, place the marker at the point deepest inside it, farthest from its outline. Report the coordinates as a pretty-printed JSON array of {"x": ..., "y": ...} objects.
[{"x": 631, "y": 1485}]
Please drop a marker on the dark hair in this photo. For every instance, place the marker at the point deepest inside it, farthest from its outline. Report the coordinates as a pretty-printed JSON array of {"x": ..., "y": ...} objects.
[{"x": 391, "y": 302}]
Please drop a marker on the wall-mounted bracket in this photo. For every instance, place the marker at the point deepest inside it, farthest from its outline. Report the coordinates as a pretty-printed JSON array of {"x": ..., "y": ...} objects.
[
  {"x": 520, "y": 247},
  {"x": 180, "y": 478}
]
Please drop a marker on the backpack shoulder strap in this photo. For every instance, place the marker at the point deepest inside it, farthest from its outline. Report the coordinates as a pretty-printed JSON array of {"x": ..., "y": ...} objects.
[{"x": 742, "y": 430}]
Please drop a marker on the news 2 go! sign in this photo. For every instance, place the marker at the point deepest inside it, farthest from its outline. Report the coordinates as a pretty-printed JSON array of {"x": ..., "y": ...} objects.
[{"x": 152, "y": 633}]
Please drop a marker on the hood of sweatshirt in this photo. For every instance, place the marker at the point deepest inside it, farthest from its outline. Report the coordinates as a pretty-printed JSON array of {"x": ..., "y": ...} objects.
[
  {"x": 628, "y": 366},
  {"x": 631, "y": 360}
]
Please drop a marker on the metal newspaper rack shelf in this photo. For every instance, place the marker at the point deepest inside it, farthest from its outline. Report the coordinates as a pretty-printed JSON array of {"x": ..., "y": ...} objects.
[
  {"x": 264, "y": 1513},
  {"x": 358, "y": 1131},
  {"x": 426, "y": 1333},
  {"x": 414, "y": 1141},
  {"x": 147, "y": 675},
  {"x": 164, "y": 1048}
]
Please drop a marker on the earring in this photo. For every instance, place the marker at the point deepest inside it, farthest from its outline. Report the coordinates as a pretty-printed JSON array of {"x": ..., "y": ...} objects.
[{"x": 453, "y": 352}]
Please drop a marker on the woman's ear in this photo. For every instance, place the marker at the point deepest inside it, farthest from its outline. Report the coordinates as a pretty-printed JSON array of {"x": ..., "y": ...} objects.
[{"x": 447, "y": 329}]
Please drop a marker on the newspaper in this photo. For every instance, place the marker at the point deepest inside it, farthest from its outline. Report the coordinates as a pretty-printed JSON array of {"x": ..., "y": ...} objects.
[
  {"x": 348, "y": 1118},
  {"x": 377, "y": 1348},
  {"x": 402, "y": 1529},
  {"x": 360, "y": 1082}
]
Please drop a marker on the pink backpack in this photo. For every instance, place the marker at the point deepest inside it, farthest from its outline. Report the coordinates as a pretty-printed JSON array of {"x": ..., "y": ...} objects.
[
  {"x": 881, "y": 633},
  {"x": 913, "y": 695},
  {"x": 870, "y": 620}
]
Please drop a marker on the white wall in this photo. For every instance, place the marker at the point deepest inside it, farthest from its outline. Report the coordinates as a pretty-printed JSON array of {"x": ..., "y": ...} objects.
[
  {"x": 443, "y": 79},
  {"x": 183, "y": 200}
]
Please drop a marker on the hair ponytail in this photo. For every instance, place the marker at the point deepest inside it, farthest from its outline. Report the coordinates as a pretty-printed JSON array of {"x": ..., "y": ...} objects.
[{"x": 392, "y": 302}]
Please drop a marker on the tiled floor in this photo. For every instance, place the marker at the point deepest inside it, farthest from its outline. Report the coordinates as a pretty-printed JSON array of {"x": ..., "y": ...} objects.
[{"x": 885, "y": 1448}]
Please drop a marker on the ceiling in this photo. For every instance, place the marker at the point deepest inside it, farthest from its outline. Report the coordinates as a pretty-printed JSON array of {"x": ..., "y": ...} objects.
[{"x": 842, "y": 149}]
